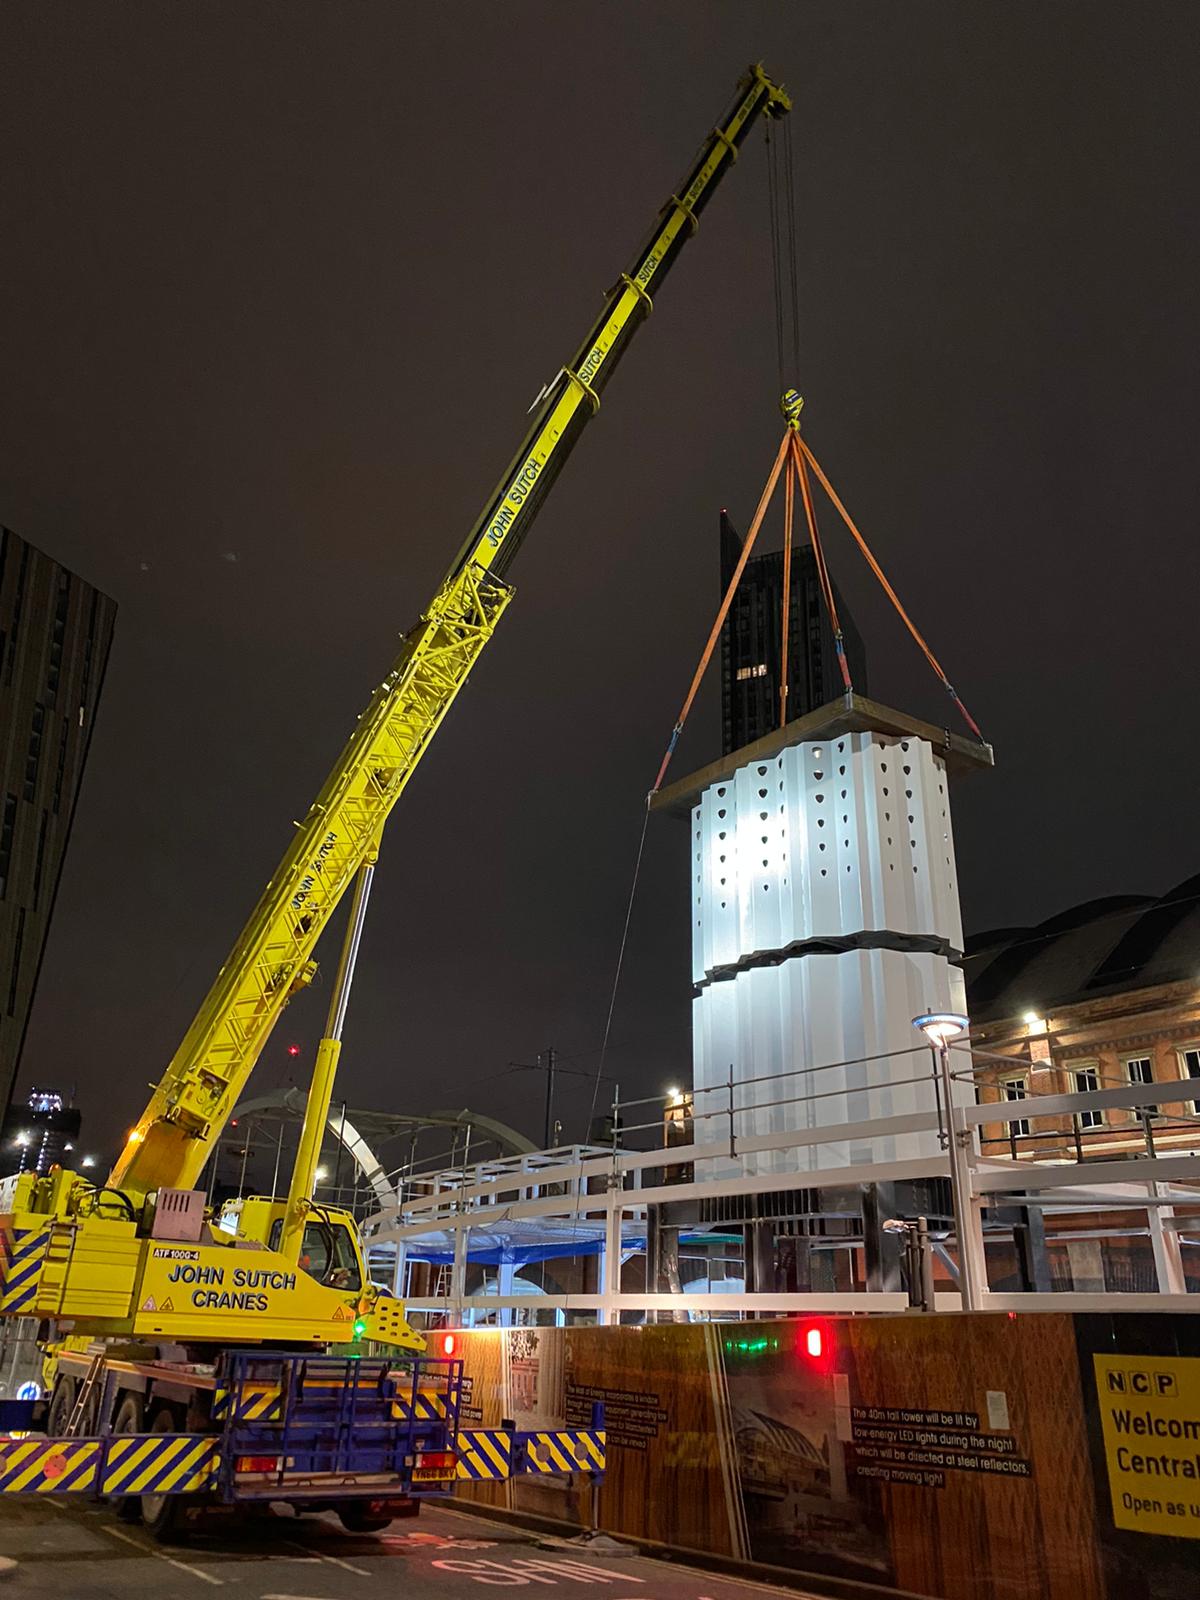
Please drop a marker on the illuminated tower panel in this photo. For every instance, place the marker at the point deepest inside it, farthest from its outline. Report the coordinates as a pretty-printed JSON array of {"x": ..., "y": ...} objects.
[{"x": 825, "y": 916}]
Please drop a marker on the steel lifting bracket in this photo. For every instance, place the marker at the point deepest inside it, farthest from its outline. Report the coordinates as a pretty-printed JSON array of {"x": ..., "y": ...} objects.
[
  {"x": 641, "y": 293},
  {"x": 682, "y": 205},
  {"x": 592, "y": 396},
  {"x": 719, "y": 133}
]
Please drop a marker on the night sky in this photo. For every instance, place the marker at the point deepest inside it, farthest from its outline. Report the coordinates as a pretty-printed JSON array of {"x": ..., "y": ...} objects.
[{"x": 279, "y": 283}]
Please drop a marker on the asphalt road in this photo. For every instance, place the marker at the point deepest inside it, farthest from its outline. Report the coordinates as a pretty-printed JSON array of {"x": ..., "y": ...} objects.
[{"x": 73, "y": 1550}]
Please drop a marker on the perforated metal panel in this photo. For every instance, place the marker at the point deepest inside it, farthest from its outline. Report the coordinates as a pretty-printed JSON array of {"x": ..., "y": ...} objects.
[
  {"x": 826, "y": 840},
  {"x": 824, "y": 911},
  {"x": 776, "y": 1028}
]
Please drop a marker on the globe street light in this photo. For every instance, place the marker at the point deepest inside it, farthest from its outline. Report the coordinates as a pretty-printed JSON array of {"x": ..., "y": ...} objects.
[{"x": 940, "y": 1027}]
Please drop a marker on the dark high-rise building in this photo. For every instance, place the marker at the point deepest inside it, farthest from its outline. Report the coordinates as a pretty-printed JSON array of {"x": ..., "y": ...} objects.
[
  {"x": 55, "y": 634},
  {"x": 752, "y": 643},
  {"x": 38, "y": 1135}
]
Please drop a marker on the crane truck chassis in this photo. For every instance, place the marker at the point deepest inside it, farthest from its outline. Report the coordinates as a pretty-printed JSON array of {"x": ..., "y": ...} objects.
[
  {"x": 193, "y": 1355},
  {"x": 365, "y": 1436}
]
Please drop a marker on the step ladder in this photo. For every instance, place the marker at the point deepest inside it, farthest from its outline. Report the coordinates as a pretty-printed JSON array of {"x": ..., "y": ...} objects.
[{"x": 443, "y": 1282}]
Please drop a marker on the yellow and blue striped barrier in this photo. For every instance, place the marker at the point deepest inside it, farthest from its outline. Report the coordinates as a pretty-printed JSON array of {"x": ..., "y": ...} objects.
[
  {"x": 122, "y": 1463},
  {"x": 48, "y": 1466},
  {"x": 484, "y": 1453},
  {"x": 562, "y": 1450},
  {"x": 160, "y": 1463},
  {"x": 21, "y": 1254},
  {"x": 256, "y": 1402},
  {"x": 427, "y": 1406}
]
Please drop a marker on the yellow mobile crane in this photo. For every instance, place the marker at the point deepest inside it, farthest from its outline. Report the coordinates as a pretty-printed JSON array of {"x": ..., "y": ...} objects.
[{"x": 137, "y": 1262}]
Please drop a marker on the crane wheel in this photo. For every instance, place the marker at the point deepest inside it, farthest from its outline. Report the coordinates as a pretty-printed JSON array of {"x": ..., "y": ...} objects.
[
  {"x": 62, "y": 1403},
  {"x": 129, "y": 1418},
  {"x": 359, "y": 1516},
  {"x": 163, "y": 1513}
]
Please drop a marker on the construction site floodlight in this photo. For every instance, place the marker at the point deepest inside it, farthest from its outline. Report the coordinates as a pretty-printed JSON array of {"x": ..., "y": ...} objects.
[{"x": 939, "y": 1027}]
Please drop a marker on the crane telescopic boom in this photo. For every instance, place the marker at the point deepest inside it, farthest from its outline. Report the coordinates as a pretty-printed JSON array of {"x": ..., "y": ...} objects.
[{"x": 273, "y": 955}]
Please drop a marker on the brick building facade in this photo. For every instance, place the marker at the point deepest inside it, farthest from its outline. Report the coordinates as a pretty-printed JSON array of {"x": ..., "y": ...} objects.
[{"x": 1103, "y": 996}]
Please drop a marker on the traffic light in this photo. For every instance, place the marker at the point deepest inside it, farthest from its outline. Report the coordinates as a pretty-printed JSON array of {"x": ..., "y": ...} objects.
[{"x": 815, "y": 1344}]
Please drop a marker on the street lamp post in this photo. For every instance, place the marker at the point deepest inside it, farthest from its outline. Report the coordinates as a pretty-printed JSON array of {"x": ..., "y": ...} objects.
[{"x": 939, "y": 1027}]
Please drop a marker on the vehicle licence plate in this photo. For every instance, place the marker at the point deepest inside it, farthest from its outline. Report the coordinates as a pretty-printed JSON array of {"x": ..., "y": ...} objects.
[{"x": 432, "y": 1474}]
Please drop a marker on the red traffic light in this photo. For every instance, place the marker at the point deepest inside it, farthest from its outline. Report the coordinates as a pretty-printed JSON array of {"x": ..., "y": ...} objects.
[
  {"x": 293, "y": 1049},
  {"x": 815, "y": 1342},
  {"x": 449, "y": 1344}
]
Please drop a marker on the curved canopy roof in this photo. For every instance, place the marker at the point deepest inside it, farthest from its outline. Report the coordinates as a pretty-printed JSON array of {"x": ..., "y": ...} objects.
[{"x": 1101, "y": 947}]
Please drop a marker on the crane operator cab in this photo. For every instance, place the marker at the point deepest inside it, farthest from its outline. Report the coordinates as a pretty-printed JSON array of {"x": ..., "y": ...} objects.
[{"x": 330, "y": 1252}]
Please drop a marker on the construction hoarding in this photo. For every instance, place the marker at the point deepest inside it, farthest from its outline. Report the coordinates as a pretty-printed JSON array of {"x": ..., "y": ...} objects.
[{"x": 985, "y": 1457}]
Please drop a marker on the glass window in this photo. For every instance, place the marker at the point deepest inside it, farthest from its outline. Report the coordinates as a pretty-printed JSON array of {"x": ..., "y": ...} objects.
[
  {"x": 61, "y": 769},
  {"x": 1140, "y": 1069},
  {"x": 1087, "y": 1080},
  {"x": 34, "y": 754},
  {"x": 1191, "y": 1069},
  {"x": 7, "y": 828},
  {"x": 58, "y": 636},
  {"x": 18, "y": 605},
  {"x": 326, "y": 1254},
  {"x": 40, "y": 860},
  {"x": 1017, "y": 1089},
  {"x": 15, "y": 969}
]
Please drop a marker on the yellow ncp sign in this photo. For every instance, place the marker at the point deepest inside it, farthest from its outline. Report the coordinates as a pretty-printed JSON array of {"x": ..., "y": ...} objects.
[{"x": 1150, "y": 1411}]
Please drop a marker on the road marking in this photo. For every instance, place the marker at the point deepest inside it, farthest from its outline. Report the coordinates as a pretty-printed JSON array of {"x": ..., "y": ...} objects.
[
  {"x": 520, "y": 1572},
  {"x": 334, "y": 1561},
  {"x": 292, "y": 1597},
  {"x": 149, "y": 1550}
]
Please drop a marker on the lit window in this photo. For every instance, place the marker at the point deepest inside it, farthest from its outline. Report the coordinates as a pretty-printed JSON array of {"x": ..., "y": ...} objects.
[
  {"x": 759, "y": 671},
  {"x": 1087, "y": 1081},
  {"x": 1017, "y": 1089}
]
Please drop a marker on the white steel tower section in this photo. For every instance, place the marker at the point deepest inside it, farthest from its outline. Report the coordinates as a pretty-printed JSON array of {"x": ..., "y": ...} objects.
[{"x": 825, "y": 916}]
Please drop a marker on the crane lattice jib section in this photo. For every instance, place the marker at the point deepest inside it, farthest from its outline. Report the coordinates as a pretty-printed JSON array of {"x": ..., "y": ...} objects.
[
  {"x": 572, "y": 398},
  {"x": 272, "y": 957},
  {"x": 274, "y": 953}
]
